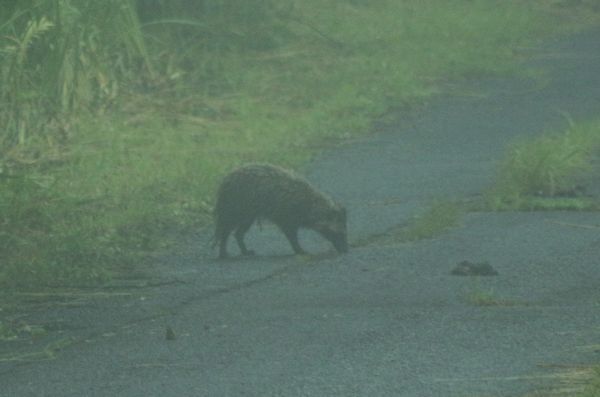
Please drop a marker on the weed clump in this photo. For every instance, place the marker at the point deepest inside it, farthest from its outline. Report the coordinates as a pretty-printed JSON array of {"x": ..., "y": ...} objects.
[{"x": 546, "y": 172}]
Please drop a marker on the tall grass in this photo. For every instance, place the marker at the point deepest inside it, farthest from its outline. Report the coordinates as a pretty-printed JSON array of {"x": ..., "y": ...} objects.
[{"x": 59, "y": 57}]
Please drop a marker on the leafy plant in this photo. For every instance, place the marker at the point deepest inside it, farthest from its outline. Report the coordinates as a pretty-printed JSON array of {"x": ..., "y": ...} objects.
[{"x": 60, "y": 56}]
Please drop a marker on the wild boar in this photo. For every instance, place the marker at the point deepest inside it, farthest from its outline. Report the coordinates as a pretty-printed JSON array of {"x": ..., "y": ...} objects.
[{"x": 267, "y": 192}]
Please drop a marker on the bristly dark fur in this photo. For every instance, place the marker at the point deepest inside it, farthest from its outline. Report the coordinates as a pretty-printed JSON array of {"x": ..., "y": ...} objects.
[{"x": 263, "y": 191}]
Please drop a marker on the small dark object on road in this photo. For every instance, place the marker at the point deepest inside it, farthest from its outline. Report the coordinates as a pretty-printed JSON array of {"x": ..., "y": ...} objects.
[
  {"x": 263, "y": 191},
  {"x": 170, "y": 334},
  {"x": 466, "y": 268}
]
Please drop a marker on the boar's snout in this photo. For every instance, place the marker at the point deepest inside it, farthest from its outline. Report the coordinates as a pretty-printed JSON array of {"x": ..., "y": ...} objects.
[
  {"x": 332, "y": 226},
  {"x": 339, "y": 241}
]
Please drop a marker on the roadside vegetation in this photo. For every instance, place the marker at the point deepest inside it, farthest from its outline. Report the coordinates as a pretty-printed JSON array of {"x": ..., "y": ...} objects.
[
  {"x": 477, "y": 295},
  {"x": 550, "y": 172},
  {"x": 118, "y": 117},
  {"x": 575, "y": 381},
  {"x": 592, "y": 388},
  {"x": 481, "y": 297},
  {"x": 439, "y": 217},
  {"x": 436, "y": 218}
]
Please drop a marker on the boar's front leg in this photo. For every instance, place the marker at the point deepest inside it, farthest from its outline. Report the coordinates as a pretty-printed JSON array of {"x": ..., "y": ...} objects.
[{"x": 291, "y": 233}]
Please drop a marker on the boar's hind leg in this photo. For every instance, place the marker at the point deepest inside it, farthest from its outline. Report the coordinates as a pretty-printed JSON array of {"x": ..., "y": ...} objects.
[
  {"x": 223, "y": 236},
  {"x": 239, "y": 235},
  {"x": 292, "y": 235}
]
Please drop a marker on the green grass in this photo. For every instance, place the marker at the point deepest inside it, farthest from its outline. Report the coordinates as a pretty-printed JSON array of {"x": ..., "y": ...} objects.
[
  {"x": 439, "y": 217},
  {"x": 148, "y": 162},
  {"x": 12, "y": 332},
  {"x": 480, "y": 296},
  {"x": 436, "y": 219},
  {"x": 592, "y": 389},
  {"x": 48, "y": 352},
  {"x": 575, "y": 381},
  {"x": 548, "y": 172}
]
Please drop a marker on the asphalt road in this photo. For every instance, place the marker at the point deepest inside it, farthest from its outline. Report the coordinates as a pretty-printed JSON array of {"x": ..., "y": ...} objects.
[{"x": 382, "y": 320}]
